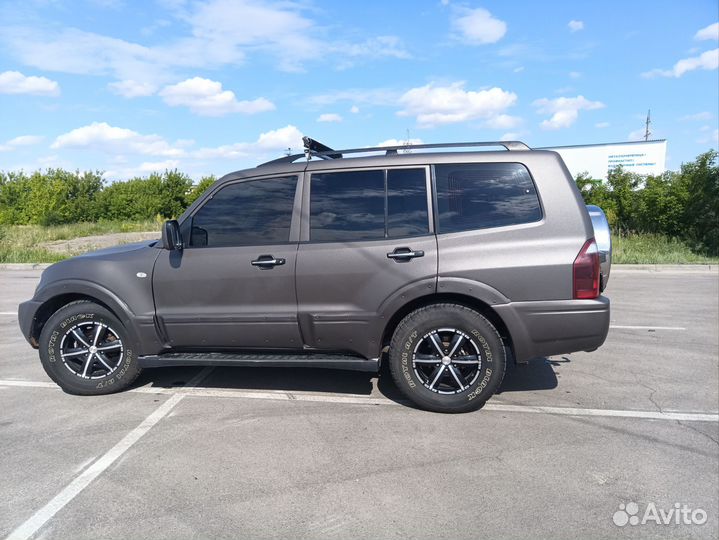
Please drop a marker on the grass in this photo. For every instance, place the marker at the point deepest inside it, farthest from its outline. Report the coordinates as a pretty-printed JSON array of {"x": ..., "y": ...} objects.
[
  {"x": 19, "y": 243},
  {"x": 655, "y": 249}
]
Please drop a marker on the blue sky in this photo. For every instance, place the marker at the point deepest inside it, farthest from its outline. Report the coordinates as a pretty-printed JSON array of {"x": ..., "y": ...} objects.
[{"x": 219, "y": 85}]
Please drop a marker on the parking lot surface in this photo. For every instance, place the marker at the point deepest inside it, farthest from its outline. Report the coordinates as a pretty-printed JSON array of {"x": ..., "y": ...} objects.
[{"x": 562, "y": 452}]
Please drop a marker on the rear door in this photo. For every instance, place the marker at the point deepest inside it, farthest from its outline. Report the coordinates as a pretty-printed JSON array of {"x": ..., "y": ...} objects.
[
  {"x": 233, "y": 284},
  {"x": 367, "y": 240}
]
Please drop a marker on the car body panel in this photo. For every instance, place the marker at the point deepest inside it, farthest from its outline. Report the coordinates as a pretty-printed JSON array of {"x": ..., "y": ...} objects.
[
  {"x": 342, "y": 314},
  {"x": 214, "y": 298},
  {"x": 119, "y": 277}
]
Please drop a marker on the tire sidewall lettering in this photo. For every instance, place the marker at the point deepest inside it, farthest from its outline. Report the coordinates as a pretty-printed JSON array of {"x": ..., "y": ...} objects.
[{"x": 407, "y": 369}]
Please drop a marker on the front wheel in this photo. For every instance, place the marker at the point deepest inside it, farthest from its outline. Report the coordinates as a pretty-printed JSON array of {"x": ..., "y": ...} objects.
[
  {"x": 86, "y": 350},
  {"x": 447, "y": 358}
]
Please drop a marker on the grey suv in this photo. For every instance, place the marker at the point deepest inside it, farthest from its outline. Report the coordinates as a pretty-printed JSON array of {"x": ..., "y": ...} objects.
[{"x": 446, "y": 263}]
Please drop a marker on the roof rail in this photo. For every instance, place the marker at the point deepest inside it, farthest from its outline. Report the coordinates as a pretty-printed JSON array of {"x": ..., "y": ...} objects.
[{"x": 317, "y": 149}]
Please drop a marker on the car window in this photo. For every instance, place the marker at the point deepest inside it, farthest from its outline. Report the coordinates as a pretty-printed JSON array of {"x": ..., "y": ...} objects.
[
  {"x": 482, "y": 195},
  {"x": 368, "y": 205},
  {"x": 347, "y": 206},
  {"x": 407, "y": 203},
  {"x": 246, "y": 214}
]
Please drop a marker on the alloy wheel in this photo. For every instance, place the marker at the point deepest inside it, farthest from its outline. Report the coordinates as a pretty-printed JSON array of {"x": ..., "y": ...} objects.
[{"x": 447, "y": 361}]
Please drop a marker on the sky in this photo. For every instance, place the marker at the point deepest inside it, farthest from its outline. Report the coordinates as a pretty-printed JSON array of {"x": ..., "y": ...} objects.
[{"x": 214, "y": 86}]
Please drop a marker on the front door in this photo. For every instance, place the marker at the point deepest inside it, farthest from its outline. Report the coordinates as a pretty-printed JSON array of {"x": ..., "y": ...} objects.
[
  {"x": 368, "y": 244},
  {"x": 233, "y": 284}
]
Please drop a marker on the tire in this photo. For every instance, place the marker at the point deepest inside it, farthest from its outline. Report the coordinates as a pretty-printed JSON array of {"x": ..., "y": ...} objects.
[
  {"x": 453, "y": 383},
  {"x": 82, "y": 331}
]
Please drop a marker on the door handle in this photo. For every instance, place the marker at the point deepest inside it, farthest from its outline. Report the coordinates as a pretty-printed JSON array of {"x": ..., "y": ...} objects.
[
  {"x": 404, "y": 254},
  {"x": 266, "y": 262}
]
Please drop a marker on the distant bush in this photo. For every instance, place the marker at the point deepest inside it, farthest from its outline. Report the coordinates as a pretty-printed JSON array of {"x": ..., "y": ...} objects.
[
  {"x": 56, "y": 196},
  {"x": 50, "y": 198},
  {"x": 142, "y": 198},
  {"x": 683, "y": 204}
]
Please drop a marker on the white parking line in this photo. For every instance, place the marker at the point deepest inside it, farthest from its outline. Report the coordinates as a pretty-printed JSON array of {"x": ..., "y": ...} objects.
[
  {"x": 358, "y": 399},
  {"x": 623, "y": 327},
  {"x": 8, "y": 312},
  {"x": 42, "y": 516}
]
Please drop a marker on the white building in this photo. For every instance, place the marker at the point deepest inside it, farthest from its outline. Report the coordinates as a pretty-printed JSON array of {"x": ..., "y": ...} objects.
[{"x": 640, "y": 157}]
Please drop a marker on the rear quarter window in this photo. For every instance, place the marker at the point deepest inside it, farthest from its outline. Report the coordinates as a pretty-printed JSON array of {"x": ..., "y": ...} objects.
[{"x": 484, "y": 195}]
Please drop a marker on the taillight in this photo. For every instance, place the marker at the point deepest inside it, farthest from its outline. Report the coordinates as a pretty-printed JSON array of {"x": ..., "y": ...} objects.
[{"x": 586, "y": 271}]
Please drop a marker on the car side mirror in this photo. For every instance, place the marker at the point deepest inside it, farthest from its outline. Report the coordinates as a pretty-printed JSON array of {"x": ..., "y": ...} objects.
[{"x": 171, "y": 237}]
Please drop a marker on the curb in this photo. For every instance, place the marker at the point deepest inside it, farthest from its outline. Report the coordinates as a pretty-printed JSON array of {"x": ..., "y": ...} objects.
[
  {"x": 24, "y": 266},
  {"x": 673, "y": 268}
]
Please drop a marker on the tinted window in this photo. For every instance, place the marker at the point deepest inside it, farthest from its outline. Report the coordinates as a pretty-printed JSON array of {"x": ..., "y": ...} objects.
[
  {"x": 347, "y": 206},
  {"x": 481, "y": 195},
  {"x": 247, "y": 213},
  {"x": 406, "y": 203}
]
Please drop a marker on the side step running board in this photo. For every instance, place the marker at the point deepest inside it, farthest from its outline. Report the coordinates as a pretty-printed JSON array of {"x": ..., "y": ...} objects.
[{"x": 329, "y": 361}]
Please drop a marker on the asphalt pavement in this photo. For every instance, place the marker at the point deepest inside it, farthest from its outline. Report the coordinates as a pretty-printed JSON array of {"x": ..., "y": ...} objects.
[{"x": 574, "y": 446}]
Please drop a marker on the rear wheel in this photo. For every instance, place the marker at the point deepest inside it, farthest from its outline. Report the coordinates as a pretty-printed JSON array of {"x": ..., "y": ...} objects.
[
  {"x": 447, "y": 358},
  {"x": 85, "y": 349}
]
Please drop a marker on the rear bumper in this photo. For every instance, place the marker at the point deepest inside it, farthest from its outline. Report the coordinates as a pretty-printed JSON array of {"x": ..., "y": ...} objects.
[
  {"x": 26, "y": 318},
  {"x": 557, "y": 327}
]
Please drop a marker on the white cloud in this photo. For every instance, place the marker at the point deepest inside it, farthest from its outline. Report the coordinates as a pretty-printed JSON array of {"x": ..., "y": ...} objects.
[
  {"x": 271, "y": 142},
  {"x": 434, "y": 105},
  {"x": 477, "y": 26},
  {"x": 575, "y": 26},
  {"x": 518, "y": 69},
  {"x": 513, "y": 136},
  {"x": 114, "y": 140},
  {"x": 14, "y": 82},
  {"x": 502, "y": 121},
  {"x": 329, "y": 117},
  {"x": 710, "y": 32},
  {"x": 708, "y": 60},
  {"x": 217, "y": 33},
  {"x": 712, "y": 138},
  {"x": 387, "y": 46},
  {"x": 397, "y": 142},
  {"x": 574, "y": 74},
  {"x": 698, "y": 117},
  {"x": 22, "y": 140},
  {"x": 564, "y": 110},
  {"x": 26, "y": 140},
  {"x": 132, "y": 89},
  {"x": 602, "y": 125},
  {"x": 354, "y": 109},
  {"x": 158, "y": 166},
  {"x": 370, "y": 96},
  {"x": 207, "y": 98}
]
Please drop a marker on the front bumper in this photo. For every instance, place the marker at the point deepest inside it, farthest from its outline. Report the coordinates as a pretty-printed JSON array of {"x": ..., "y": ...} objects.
[
  {"x": 26, "y": 318},
  {"x": 555, "y": 327}
]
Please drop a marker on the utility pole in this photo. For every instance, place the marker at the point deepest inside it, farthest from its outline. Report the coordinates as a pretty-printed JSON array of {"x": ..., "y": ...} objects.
[{"x": 647, "y": 133}]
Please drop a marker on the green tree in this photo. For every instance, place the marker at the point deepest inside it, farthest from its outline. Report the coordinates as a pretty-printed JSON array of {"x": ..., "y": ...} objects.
[
  {"x": 660, "y": 205},
  {"x": 200, "y": 188},
  {"x": 700, "y": 179},
  {"x": 623, "y": 188}
]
